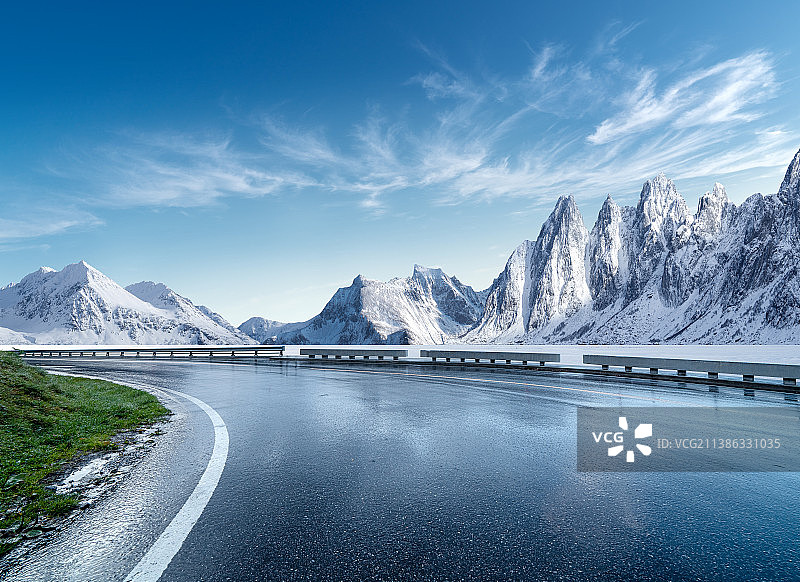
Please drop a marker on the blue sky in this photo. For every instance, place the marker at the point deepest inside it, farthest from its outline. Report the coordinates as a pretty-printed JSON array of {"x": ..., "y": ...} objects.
[{"x": 256, "y": 156}]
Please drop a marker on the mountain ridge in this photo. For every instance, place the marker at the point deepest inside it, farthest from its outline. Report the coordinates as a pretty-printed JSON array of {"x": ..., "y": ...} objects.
[{"x": 654, "y": 272}]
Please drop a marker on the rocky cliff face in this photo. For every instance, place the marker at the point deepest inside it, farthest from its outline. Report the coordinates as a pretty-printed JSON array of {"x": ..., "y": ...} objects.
[
  {"x": 543, "y": 282},
  {"x": 657, "y": 273}
]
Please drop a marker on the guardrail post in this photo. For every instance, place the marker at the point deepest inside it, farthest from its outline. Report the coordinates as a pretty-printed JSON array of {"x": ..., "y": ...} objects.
[
  {"x": 508, "y": 361},
  {"x": 541, "y": 363},
  {"x": 447, "y": 359},
  {"x": 338, "y": 357},
  {"x": 477, "y": 360},
  {"x": 604, "y": 367},
  {"x": 396, "y": 358},
  {"x": 748, "y": 378},
  {"x": 681, "y": 372},
  {"x": 433, "y": 358},
  {"x": 491, "y": 361},
  {"x": 463, "y": 359},
  {"x": 790, "y": 381},
  {"x": 524, "y": 363},
  {"x": 352, "y": 357},
  {"x": 713, "y": 375}
]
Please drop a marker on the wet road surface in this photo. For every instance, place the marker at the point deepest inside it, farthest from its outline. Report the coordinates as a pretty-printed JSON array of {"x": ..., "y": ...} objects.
[{"x": 409, "y": 473}]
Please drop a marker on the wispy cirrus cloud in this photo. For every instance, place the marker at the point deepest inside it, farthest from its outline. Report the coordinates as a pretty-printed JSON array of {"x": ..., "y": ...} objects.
[
  {"x": 42, "y": 221},
  {"x": 722, "y": 93},
  {"x": 581, "y": 123},
  {"x": 175, "y": 170}
]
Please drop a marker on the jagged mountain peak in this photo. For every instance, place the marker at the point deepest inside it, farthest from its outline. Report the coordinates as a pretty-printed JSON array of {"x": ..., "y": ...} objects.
[
  {"x": 565, "y": 204},
  {"x": 790, "y": 187},
  {"x": 565, "y": 216},
  {"x": 428, "y": 272},
  {"x": 658, "y": 196},
  {"x": 609, "y": 207},
  {"x": 711, "y": 208}
]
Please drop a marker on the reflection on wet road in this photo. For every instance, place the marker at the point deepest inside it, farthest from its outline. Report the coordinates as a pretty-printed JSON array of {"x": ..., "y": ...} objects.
[{"x": 411, "y": 473}]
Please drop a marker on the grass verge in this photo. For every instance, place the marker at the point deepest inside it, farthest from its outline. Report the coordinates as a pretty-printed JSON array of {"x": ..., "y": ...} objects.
[{"x": 46, "y": 421}]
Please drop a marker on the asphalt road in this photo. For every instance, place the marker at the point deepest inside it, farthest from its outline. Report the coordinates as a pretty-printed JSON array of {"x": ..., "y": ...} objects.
[{"x": 362, "y": 472}]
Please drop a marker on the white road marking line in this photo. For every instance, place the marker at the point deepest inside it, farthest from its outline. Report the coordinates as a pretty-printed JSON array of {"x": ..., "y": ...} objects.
[
  {"x": 160, "y": 554},
  {"x": 158, "y": 557}
]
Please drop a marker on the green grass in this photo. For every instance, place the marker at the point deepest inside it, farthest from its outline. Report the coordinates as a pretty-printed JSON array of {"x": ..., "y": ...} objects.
[{"x": 46, "y": 421}]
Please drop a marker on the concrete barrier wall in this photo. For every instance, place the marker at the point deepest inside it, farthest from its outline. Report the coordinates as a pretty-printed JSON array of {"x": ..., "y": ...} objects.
[
  {"x": 353, "y": 352},
  {"x": 745, "y": 369},
  {"x": 480, "y": 355},
  {"x": 153, "y": 351}
]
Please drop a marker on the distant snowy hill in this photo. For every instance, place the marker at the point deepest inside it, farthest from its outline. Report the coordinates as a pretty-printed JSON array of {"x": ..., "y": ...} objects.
[
  {"x": 260, "y": 329},
  {"x": 427, "y": 307},
  {"x": 80, "y": 305}
]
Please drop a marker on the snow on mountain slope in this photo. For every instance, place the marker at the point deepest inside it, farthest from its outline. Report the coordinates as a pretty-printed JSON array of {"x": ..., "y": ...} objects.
[
  {"x": 428, "y": 307},
  {"x": 543, "y": 282},
  {"x": 260, "y": 329},
  {"x": 9, "y": 337},
  {"x": 650, "y": 273},
  {"x": 656, "y": 273},
  {"x": 80, "y": 305},
  {"x": 211, "y": 326}
]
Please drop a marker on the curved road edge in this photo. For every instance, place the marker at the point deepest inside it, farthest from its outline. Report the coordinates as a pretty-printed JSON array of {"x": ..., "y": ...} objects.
[{"x": 160, "y": 553}]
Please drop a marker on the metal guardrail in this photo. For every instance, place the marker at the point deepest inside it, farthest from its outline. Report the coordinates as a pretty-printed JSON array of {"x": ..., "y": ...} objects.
[
  {"x": 748, "y": 370},
  {"x": 182, "y": 351},
  {"x": 463, "y": 355},
  {"x": 352, "y": 354}
]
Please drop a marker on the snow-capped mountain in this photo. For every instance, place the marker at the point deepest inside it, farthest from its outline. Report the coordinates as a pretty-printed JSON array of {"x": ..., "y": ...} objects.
[
  {"x": 260, "y": 329},
  {"x": 80, "y": 305},
  {"x": 543, "y": 281},
  {"x": 656, "y": 272},
  {"x": 427, "y": 307},
  {"x": 208, "y": 323}
]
